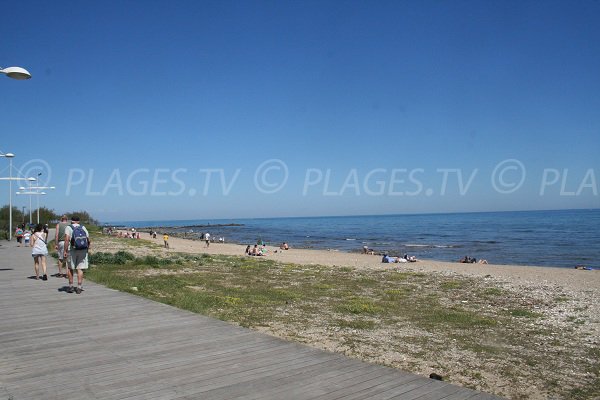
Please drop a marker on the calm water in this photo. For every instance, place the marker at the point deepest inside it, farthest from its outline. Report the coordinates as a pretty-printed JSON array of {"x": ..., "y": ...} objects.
[{"x": 551, "y": 238}]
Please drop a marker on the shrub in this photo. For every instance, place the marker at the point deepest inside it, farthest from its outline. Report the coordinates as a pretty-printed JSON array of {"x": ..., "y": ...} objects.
[{"x": 118, "y": 258}]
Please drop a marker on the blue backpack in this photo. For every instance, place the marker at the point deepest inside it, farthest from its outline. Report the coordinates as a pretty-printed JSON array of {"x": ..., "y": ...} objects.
[{"x": 79, "y": 239}]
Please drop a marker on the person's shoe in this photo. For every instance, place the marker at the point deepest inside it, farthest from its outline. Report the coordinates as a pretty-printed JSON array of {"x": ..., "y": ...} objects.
[
  {"x": 78, "y": 290},
  {"x": 45, "y": 277},
  {"x": 69, "y": 289}
]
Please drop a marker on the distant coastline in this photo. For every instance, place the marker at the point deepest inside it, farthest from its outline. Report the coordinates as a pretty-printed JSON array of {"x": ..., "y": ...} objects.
[{"x": 155, "y": 227}]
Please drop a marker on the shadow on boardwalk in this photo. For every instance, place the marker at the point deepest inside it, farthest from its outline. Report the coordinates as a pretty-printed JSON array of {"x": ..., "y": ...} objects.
[{"x": 105, "y": 344}]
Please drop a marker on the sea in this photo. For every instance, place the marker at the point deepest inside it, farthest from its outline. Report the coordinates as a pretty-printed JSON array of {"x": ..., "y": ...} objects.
[{"x": 562, "y": 238}]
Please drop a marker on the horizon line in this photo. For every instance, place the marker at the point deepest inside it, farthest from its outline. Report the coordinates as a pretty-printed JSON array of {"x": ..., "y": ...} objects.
[{"x": 357, "y": 215}]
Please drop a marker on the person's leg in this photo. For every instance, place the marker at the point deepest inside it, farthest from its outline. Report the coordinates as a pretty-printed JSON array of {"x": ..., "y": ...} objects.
[
  {"x": 43, "y": 263},
  {"x": 79, "y": 278},
  {"x": 36, "y": 267},
  {"x": 61, "y": 258},
  {"x": 80, "y": 265},
  {"x": 70, "y": 276},
  {"x": 67, "y": 262},
  {"x": 70, "y": 272}
]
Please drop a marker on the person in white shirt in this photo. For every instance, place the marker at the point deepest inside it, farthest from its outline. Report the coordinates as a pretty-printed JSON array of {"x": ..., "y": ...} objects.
[{"x": 39, "y": 251}]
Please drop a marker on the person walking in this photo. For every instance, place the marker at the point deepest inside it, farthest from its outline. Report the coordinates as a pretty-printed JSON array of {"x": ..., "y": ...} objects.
[
  {"x": 39, "y": 251},
  {"x": 77, "y": 245},
  {"x": 19, "y": 234},
  {"x": 207, "y": 238},
  {"x": 59, "y": 240},
  {"x": 166, "y": 240}
]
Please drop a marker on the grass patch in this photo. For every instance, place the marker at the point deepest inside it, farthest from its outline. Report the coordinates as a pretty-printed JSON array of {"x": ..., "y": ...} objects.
[
  {"x": 449, "y": 285},
  {"x": 359, "y": 306},
  {"x": 492, "y": 292},
  {"x": 523, "y": 313}
]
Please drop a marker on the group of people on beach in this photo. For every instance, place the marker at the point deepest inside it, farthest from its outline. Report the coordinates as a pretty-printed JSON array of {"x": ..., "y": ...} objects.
[
  {"x": 256, "y": 251},
  {"x": 404, "y": 259},
  {"x": 72, "y": 243},
  {"x": 260, "y": 249},
  {"x": 471, "y": 260}
]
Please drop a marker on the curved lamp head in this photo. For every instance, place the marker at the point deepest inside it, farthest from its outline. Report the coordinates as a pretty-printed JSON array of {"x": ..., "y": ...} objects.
[{"x": 16, "y": 73}]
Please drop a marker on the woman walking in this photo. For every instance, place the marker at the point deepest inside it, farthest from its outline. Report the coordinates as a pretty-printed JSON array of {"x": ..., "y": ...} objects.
[{"x": 39, "y": 252}]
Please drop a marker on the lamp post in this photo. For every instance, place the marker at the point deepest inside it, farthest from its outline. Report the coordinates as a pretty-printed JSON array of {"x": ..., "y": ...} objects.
[
  {"x": 37, "y": 189},
  {"x": 18, "y": 73},
  {"x": 15, "y": 73},
  {"x": 10, "y": 178},
  {"x": 38, "y": 202},
  {"x": 30, "y": 180},
  {"x": 10, "y": 156}
]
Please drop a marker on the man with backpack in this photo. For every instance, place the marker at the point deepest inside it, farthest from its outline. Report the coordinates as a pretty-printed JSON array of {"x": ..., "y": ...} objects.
[{"x": 77, "y": 244}]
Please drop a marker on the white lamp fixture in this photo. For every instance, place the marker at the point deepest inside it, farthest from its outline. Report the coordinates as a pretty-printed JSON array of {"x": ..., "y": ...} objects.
[{"x": 16, "y": 73}]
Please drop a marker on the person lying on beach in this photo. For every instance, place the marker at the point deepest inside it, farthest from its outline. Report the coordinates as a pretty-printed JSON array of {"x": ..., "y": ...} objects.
[
  {"x": 409, "y": 259},
  {"x": 387, "y": 259},
  {"x": 584, "y": 268},
  {"x": 482, "y": 261},
  {"x": 468, "y": 260}
]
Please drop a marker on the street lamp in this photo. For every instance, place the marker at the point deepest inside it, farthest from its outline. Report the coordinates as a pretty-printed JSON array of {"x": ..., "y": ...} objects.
[
  {"x": 37, "y": 188},
  {"x": 10, "y": 179},
  {"x": 10, "y": 156},
  {"x": 30, "y": 180},
  {"x": 38, "y": 202},
  {"x": 19, "y": 74},
  {"x": 16, "y": 73}
]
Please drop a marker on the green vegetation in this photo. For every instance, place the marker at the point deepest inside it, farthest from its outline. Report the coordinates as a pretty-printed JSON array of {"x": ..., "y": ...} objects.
[
  {"x": 416, "y": 315},
  {"x": 46, "y": 216},
  {"x": 522, "y": 313}
]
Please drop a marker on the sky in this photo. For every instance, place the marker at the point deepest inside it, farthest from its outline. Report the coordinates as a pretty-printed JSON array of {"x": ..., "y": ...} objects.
[{"x": 153, "y": 110}]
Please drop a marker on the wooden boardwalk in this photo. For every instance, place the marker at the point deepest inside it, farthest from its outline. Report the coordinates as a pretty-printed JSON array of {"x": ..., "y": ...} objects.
[{"x": 104, "y": 344}]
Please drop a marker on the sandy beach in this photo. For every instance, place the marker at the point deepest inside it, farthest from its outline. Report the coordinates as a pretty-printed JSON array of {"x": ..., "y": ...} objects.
[{"x": 569, "y": 278}]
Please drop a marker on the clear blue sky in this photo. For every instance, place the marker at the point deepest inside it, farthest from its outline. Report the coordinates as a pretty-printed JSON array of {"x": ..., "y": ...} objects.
[{"x": 372, "y": 107}]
